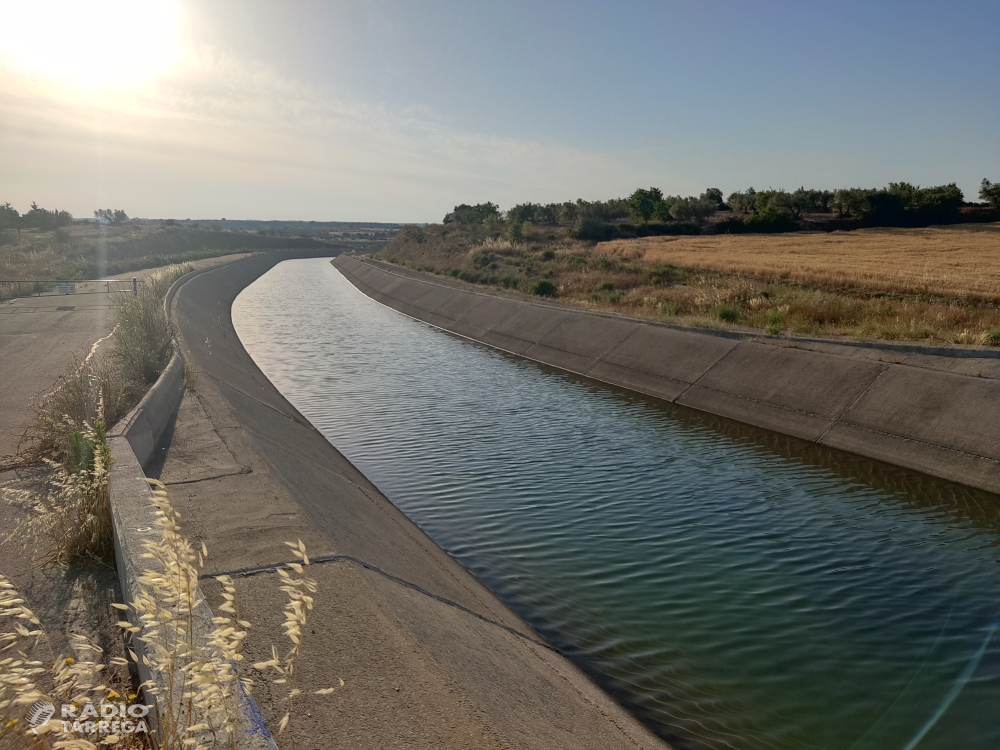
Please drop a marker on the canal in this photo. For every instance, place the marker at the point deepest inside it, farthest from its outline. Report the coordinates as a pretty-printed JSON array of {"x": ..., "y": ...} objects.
[{"x": 731, "y": 587}]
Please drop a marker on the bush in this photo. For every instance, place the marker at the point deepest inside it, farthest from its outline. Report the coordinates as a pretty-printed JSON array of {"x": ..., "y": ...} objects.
[
  {"x": 606, "y": 286},
  {"x": 667, "y": 229},
  {"x": 543, "y": 288},
  {"x": 774, "y": 320},
  {"x": 770, "y": 220},
  {"x": 144, "y": 337},
  {"x": 728, "y": 313},
  {"x": 593, "y": 229}
]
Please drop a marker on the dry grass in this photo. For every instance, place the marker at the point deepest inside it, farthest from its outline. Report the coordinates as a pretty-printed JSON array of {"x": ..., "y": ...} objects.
[
  {"x": 956, "y": 261},
  {"x": 73, "y": 514},
  {"x": 198, "y": 684},
  {"x": 664, "y": 279}
]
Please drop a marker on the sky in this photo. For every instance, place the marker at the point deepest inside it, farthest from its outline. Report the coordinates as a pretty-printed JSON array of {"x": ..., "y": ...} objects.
[{"x": 384, "y": 110}]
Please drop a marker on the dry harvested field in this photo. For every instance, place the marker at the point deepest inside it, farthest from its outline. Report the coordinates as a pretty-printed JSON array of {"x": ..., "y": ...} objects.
[{"x": 958, "y": 261}]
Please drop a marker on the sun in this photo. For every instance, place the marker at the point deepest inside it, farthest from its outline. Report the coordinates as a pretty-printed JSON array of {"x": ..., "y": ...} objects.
[{"x": 93, "y": 44}]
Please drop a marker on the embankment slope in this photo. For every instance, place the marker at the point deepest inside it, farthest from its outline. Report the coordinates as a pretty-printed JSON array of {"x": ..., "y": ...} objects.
[{"x": 931, "y": 410}]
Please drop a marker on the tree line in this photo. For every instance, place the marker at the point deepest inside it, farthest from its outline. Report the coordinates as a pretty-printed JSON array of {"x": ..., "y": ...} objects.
[
  {"x": 45, "y": 220},
  {"x": 36, "y": 218},
  {"x": 899, "y": 204}
]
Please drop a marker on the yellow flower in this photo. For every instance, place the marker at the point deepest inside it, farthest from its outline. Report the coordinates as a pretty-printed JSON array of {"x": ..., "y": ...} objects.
[{"x": 70, "y": 661}]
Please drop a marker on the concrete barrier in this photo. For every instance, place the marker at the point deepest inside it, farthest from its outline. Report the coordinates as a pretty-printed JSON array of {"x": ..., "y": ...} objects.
[
  {"x": 145, "y": 425},
  {"x": 134, "y": 515},
  {"x": 930, "y": 409}
]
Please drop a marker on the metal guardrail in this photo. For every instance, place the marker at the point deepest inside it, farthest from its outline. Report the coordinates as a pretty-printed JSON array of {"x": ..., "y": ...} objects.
[{"x": 16, "y": 288}]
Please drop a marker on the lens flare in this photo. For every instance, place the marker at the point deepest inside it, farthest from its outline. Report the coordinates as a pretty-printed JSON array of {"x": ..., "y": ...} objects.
[{"x": 106, "y": 43}]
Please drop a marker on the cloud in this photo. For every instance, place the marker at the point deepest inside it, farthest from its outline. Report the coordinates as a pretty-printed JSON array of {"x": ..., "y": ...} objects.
[{"x": 219, "y": 135}]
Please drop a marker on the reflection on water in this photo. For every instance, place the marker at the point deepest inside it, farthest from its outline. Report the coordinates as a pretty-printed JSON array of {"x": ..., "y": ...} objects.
[{"x": 731, "y": 587}]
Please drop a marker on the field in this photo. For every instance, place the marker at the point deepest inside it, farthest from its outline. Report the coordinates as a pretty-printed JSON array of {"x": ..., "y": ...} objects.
[
  {"x": 89, "y": 250},
  {"x": 956, "y": 261},
  {"x": 935, "y": 286}
]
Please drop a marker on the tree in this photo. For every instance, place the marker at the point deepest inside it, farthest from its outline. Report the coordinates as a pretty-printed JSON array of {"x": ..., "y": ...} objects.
[
  {"x": 693, "y": 209},
  {"x": 478, "y": 214},
  {"x": 743, "y": 202},
  {"x": 113, "y": 217},
  {"x": 642, "y": 204},
  {"x": 11, "y": 219},
  {"x": 715, "y": 195},
  {"x": 988, "y": 191},
  {"x": 523, "y": 212}
]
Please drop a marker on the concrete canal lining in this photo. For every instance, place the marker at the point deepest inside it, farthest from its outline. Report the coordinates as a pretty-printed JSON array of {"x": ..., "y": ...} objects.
[
  {"x": 430, "y": 657},
  {"x": 932, "y": 410}
]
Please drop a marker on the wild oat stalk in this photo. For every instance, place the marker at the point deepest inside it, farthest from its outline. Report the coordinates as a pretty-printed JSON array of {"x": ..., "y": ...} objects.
[
  {"x": 74, "y": 514},
  {"x": 24, "y": 682},
  {"x": 196, "y": 686},
  {"x": 300, "y": 602}
]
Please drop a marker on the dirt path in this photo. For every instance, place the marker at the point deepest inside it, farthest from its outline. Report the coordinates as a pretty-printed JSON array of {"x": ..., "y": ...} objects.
[{"x": 38, "y": 338}]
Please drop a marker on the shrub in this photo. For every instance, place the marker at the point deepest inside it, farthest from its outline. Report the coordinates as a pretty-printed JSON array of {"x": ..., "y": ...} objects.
[
  {"x": 593, "y": 229},
  {"x": 548, "y": 254},
  {"x": 770, "y": 220},
  {"x": 668, "y": 228},
  {"x": 663, "y": 275},
  {"x": 670, "y": 307},
  {"x": 606, "y": 286},
  {"x": 143, "y": 335},
  {"x": 731, "y": 226},
  {"x": 992, "y": 337},
  {"x": 728, "y": 313},
  {"x": 774, "y": 321},
  {"x": 543, "y": 288}
]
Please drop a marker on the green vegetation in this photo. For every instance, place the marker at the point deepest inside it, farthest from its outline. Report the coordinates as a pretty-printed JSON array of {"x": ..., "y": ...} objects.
[
  {"x": 114, "y": 217},
  {"x": 901, "y": 204},
  {"x": 575, "y": 271},
  {"x": 990, "y": 192},
  {"x": 107, "y": 384}
]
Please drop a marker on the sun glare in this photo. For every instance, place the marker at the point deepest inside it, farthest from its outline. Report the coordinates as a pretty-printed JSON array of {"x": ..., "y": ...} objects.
[{"x": 92, "y": 44}]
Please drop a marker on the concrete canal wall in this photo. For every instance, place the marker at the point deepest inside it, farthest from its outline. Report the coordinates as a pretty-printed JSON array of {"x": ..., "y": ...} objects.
[
  {"x": 430, "y": 657},
  {"x": 933, "y": 410}
]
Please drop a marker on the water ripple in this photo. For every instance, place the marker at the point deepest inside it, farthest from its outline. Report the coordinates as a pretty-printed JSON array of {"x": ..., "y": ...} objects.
[{"x": 732, "y": 588}]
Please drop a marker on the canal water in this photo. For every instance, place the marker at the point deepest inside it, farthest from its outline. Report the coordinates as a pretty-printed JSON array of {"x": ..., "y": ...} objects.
[{"x": 730, "y": 587}]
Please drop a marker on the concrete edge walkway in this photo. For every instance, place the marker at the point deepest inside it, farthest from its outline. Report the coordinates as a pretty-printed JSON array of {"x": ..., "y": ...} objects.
[{"x": 135, "y": 523}]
